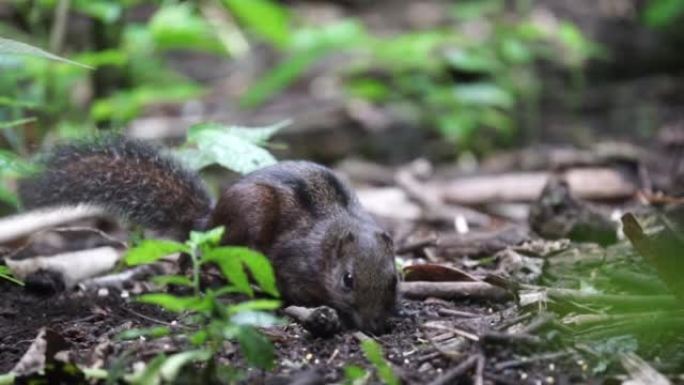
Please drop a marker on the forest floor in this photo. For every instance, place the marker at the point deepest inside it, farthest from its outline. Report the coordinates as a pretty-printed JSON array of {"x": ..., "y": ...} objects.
[{"x": 486, "y": 298}]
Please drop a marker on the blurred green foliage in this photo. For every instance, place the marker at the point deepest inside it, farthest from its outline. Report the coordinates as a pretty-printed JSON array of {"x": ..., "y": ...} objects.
[
  {"x": 474, "y": 79},
  {"x": 663, "y": 13}
]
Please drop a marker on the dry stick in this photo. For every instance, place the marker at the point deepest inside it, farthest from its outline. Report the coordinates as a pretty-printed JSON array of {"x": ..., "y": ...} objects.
[
  {"x": 526, "y": 360},
  {"x": 508, "y": 338},
  {"x": 479, "y": 370},
  {"x": 453, "y": 290},
  {"x": 453, "y": 374},
  {"x": 454, "y": 330},
  {"x": 584, "y": 320},
  {"x": 455, "y": 313},
  {"x": 417, "y": 245},
  {"x": 514, "y": 321},
  {"x": 20, "y": 225},
  {"x": 431, "y": 201}
]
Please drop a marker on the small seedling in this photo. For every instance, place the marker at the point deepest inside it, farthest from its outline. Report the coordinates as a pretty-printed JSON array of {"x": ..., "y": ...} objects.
[{"x": 212, "y": 321}]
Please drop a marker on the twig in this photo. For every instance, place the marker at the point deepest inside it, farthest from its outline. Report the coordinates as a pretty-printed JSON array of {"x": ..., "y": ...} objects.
[
  {"x": 453, "y": 330},
  {"x": 479, "y": 370},
  {"x": 154, "y": 320},
  {"x": 526, "y": 360},
  {"x": 455, "y": 313},
  {"x": 417, "y": 245},
  {"x": 453, "y": 290},
  {"x": 59, "y": 26},
  {"x": 510, "y": 338},
  {"x": 514, "y": 321},
  {"x": 455, "y": 373}
]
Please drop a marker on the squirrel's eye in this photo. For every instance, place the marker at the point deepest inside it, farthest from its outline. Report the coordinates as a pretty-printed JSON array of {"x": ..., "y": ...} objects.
[{"x": 348, "y": 281}]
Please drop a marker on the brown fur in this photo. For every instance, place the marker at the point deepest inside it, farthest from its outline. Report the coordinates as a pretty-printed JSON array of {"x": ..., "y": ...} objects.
[{"x": 308, "y": 222}]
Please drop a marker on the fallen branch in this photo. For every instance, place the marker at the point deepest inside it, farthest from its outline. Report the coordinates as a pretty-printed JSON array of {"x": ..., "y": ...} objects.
[
  {"x": 25, "y": 224},
  {"x": 528, "y": 360},
  {"x": 417, "y": 245},
  {"x": 453, "y": 290},
  {"x": 586, "y": 183}
]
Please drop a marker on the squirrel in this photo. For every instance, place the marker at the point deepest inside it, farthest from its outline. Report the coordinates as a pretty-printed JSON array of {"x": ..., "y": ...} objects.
[{"x": 324, "y": 247}]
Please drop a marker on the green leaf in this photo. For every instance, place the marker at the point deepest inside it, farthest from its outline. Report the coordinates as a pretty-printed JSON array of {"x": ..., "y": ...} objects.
[
  {"x": 174, "y": 303},
  {"x": 176, "y": 26},
  {"x": 13, "y": 47},
  {"x": 8, "y": 197},
  {"x": 152, "y": 250},
  {"x": 258, "y": 265},
  {"x": 255, "y": 318},
  {"x": 228, "y": 260},
  {"x": 261, "y": 270},
  {"x": 338, "y": 35},
  {"x": 207, "y": 238},
  {"x": 373, "y": 353},
  {"x": 104, "y": 10},
  {"x": 154, "y": 332},
  {"x": 233, "y": 147},
  {"x": 280, "y": 77},
  {"x": 353, "y": 373},
  {"x": 165, "y": 280},
  {"x": 255, "y": 304},
  {"x": 10, "y": 161},
  {"x": 662, "y": 13},
  {"x": 254, "y": 135},
  {"x": 150, "y": 375},
  {"x": 257, "y": 349},
  {"x": 265, "y": 18},
  {"x": 199, "y": 337},
  {"x": 473, "y": 61},
  {"x": 369, "y": 89},
  {"x": 484, "y": 94},
  {"x": 16, "y": 123},
  {"x": 126, "y": 105},
  {"x": 5, "y": 273},
  {"x": 172, "y": 365}
]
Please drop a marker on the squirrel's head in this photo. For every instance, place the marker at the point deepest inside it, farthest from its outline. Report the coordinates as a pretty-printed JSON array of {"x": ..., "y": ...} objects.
[{"x": 363, "y": 279}]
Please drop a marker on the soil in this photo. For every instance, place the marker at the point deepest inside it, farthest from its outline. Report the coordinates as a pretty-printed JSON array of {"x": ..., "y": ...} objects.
[{"x": 86, "y": 320}]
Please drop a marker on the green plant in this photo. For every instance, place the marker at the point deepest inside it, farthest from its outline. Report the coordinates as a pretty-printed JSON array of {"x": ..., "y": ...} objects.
[
  {"x": 663, "y": 13},
  {"x": 213, "y": 321},
  {"x": 7, "y": 275},
  {"x": 476, "y": 90},
  {"x": 373, "y": 352},
  {"x": 235, "y": 148}
]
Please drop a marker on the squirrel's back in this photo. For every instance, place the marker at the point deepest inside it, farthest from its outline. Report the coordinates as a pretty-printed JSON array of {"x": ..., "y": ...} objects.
[{"x": 127, "y": 177}]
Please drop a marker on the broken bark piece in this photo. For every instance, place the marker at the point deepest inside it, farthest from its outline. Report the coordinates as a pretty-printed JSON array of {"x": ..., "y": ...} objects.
[
  {"x": 453, "y": 290},
  {"x": 434, "y": 207},
  {"x": 586, "y": 183},
  {"x": 434, "y": 272},
  {"x": 482, "y": 243},
  {"x": 417, "y": 245},
  {"x": 321, "y": 321},
  {"x": 558, "y": 214},
  {"x": 70, "y": 267},
  {"x": 25, "y": 224},
  {"x": 661, "y": 250}
]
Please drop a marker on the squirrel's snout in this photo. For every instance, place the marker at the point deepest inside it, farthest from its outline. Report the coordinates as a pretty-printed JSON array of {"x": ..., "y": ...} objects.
[{"x": 376, "y": 326}]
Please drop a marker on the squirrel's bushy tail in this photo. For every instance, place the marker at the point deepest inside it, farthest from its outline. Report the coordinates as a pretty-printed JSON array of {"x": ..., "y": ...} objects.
[{"x": 127, "y": 177}]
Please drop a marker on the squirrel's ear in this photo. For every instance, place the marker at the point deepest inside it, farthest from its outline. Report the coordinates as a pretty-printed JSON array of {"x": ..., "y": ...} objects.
[{"x": 345, "y": 239}]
